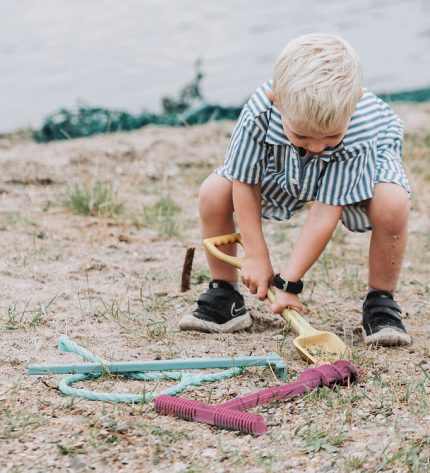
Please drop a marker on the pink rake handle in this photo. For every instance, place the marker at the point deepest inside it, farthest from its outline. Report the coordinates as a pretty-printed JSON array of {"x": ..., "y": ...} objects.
[{"x": 231, "y": 414}]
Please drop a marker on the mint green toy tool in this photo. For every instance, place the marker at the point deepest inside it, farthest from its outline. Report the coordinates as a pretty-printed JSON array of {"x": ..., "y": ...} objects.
[{"x": 147, "y": 371}]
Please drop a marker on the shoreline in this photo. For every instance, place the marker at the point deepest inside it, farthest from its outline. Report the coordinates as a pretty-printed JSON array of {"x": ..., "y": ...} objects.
[{"x": 416, "y": 118}]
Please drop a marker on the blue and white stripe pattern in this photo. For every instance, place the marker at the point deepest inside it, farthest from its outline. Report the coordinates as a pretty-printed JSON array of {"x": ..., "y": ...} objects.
[{"x": 370, "y": 153}]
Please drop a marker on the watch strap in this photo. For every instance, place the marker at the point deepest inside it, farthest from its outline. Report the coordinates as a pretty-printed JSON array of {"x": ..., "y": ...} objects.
[{"x": 294, "y": 287}]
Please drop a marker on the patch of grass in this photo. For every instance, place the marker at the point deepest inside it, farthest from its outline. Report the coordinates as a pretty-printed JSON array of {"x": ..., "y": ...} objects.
[
  {"x": 354, "y": 463},
  {"x": 100, "y": 200},
  {"x": 415, "y": 395},
  {"x": 324, "y": 313},
  {"x": 160, "y": 432},
  {"x": 199, "y": 276},
  {"x": 19, "y": 315},
  {"x": 128, "y": 317},
  {"x": 315, "y": 440},
  {"x": 265, "y": 460},
  {"x": 113, "y": 311},
  {"x": 162, "y": 216},
  {"x": 281, "y": 342},
  {"x": 416, "y": 457},
  {"x": 155, "y": 303},
  {"x": 156, "y": 329},
  {"x": 411, "y": 457},
  {"x": 16, "y": 424}
]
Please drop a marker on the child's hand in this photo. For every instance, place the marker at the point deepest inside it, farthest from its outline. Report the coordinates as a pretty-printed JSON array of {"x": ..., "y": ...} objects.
[
  {"x": 286, "y": 300},
  {"x": 256, "y": 275}
]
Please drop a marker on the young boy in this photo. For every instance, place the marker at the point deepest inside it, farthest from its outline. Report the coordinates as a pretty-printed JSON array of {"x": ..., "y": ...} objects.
[{"x": 311, "y": 134}]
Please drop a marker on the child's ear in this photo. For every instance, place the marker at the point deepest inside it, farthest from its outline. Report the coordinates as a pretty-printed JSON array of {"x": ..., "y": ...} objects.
[{"x": 271, "y": 95}]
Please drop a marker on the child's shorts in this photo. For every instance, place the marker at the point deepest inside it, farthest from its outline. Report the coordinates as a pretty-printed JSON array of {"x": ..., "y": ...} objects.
[{"x": 278, "y": 205}]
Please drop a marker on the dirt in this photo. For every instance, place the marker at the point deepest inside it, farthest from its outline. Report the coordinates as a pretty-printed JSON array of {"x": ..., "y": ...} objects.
[{"x": 112, "y": 284}]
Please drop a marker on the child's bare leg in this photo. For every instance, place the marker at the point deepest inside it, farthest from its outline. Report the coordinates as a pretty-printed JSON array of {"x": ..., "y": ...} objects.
[
  {"x": 216, "y": 218},
  {"x": 221, "y": 308},
  {"x": 388, "y": 211}
]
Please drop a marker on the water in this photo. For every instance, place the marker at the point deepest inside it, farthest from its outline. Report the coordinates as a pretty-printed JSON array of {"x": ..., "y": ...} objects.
[{"x": 129, "y": 53}]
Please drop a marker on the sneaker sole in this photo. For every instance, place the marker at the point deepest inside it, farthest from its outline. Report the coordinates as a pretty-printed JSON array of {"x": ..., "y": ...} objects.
[
  {"x": 387, "y": 337},
  {"x": 189, "y": 322}
]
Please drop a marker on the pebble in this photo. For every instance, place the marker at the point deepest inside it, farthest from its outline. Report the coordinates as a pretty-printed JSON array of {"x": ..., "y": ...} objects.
[
  {"x": 179, "y": 466},
  {"x": 209, "y": 452}
]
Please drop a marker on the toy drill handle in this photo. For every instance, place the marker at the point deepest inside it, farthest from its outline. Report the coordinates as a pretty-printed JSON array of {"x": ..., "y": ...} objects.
[{"x": 212, "y": 415}]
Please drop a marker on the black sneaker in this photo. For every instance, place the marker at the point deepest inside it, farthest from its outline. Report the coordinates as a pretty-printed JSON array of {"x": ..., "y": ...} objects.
[
  {"x": 382, "y": 321},
  {"x": 220, "y": 309}
]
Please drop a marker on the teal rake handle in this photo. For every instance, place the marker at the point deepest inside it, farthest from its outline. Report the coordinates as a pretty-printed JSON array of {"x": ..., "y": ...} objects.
[{"x": 273, "y": 360}]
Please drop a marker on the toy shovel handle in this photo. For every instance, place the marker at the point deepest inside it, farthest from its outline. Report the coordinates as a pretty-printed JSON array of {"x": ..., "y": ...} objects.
[
  {"x": 297, "y": 322},
  {"x": 212, "y": 244}
]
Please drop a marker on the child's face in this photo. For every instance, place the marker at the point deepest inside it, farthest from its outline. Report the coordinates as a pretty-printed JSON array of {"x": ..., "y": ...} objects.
[
  {"x": 313, "y": 142},
  {"x": 302, "y": 136}
]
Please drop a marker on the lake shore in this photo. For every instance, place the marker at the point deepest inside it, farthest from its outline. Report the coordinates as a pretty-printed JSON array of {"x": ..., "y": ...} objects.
[{"x": 111, "y": 282}]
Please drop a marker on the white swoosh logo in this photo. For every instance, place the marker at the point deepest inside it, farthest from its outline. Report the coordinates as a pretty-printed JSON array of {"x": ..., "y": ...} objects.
[{"x": 234, "y": 311}]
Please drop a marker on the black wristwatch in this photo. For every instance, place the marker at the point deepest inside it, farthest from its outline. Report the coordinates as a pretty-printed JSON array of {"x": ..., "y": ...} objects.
[{"x": 288, "y": 286}]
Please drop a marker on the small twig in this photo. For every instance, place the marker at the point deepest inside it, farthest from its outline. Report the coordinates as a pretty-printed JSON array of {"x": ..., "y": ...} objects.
[{"x": 186, "y": 270}]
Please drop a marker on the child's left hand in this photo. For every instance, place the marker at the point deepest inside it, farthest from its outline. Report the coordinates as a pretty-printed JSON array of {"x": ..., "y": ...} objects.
[{"x": 286, "y": 300}]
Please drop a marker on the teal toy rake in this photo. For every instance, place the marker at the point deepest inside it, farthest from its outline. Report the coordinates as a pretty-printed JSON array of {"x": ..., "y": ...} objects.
[{"x": 147, "y": 370}]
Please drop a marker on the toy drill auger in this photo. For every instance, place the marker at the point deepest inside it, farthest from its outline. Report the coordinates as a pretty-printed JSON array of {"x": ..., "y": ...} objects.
[{"x": 232, "y": 414}]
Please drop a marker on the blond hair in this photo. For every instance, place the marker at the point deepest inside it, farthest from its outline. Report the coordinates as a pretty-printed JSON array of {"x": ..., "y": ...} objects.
[{"x": 317, "y": 81}]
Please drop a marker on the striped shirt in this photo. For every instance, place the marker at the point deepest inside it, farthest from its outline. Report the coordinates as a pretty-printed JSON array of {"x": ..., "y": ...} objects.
[{"x": 370, "y": 153}]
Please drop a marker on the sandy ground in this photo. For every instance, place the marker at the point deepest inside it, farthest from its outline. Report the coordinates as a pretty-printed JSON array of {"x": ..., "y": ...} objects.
[{"x": 112, "y": 284}]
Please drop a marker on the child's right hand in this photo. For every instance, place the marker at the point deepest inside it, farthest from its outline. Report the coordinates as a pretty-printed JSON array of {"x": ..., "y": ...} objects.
[
  {"x": 286, "y": 300},
  {"x": 256, "y": 275}
]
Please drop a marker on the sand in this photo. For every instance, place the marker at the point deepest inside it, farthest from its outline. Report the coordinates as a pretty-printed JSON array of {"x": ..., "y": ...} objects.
[{"x": 112, "y": 284}]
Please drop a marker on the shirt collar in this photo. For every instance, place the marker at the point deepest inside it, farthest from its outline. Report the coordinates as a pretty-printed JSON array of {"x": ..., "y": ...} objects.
[
  {"x": 275, "y": 131},
  {"x": 276, "y": 135}
]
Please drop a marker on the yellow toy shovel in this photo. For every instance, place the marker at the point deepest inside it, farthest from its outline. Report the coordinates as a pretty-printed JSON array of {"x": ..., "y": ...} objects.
[{"x": 315, "y": 346}]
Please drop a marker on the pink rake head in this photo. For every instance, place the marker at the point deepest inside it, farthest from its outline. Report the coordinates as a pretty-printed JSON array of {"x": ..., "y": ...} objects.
[{"x": 232, "y": 415}]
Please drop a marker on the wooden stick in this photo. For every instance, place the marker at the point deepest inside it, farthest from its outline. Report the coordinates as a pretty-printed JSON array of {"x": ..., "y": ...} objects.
[{"x": 186, "y": 270}]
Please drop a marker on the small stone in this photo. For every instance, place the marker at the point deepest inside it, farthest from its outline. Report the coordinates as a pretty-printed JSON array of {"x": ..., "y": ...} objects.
[
  {"x": 179, "y": 466},
  {"x": 209, "y": 452}
]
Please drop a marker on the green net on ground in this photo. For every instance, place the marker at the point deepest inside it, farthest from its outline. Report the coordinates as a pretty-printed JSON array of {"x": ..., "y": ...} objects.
[
  {"x": 190, "y": 108},
  {"x": 420, "y": 95}
]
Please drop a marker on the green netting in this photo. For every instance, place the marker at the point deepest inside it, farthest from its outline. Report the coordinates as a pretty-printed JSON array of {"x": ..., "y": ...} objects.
[
  {"x": 189, "y": 108},
  {"x": 420, "y": 95}
]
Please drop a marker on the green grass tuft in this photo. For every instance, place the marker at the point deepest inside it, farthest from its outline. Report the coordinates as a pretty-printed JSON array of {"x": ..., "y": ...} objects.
[{"x": 100, "y": 200}]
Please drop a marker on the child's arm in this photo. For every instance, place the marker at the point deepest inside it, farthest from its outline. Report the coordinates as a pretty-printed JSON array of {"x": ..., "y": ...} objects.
[
  {"x": 316, "y": 233},
  {"x": 257, "y": 269}
]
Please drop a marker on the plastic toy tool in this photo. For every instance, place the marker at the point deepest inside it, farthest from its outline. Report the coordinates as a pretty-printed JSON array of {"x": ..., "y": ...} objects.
[
  {"x": 273, "y": 360},
  {"x": 315, "y": 346},
  {"x": 232, "y": 414}
]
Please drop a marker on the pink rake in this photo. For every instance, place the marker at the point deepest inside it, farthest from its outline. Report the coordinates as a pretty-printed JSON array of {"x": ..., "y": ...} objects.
[{"x": 232, "y": 415}]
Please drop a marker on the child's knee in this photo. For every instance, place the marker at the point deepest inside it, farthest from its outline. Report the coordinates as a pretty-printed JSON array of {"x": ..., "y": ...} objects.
[
  {"x": 391, "y": 207},
  {"x": 215, "y": 196}
]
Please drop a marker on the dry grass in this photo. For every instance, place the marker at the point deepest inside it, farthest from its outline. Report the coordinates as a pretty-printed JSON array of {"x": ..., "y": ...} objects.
[{"x": 112, "y": 284}]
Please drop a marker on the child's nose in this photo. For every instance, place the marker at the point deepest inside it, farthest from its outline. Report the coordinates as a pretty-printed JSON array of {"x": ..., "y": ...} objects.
[{"x": 316, "y": 148}]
